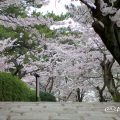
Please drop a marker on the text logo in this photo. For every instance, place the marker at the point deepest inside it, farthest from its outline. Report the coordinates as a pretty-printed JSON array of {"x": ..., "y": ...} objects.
[{"x": 112, "y": 109}]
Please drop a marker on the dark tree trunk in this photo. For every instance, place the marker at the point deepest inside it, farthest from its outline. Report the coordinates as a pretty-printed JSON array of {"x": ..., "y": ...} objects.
[
  {"x": 100, "y": 91},
  {"x": 108, "y": 79},
  {"x": 110, "y": 36},
  {"x": 80, "y": 95},
  {"x": 51, "y": 86}
]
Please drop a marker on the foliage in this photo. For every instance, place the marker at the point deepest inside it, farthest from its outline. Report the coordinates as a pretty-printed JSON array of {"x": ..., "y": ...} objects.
[
  {"x": 49, "y": 15},
  {"x": 64, "y": 31},
  {"x": 36, "y": 14},
  {"x": 68, "y": 41},
  {"x": 44, "y": 58},
  {"x": 44, "y": 96},
  {"x": 32, "y": 95},
  {"x": 57, "y": 17},
  {"x": 7, "y": 32},
  {"x": 43, "y": 29},
  {"x": 13, "y": 89},
  {"x": 23, "y": 46},
  {"x": 23, "y": 43},
  {"x": 67, "y": 31},
  {"x": 14, "y": 11}
]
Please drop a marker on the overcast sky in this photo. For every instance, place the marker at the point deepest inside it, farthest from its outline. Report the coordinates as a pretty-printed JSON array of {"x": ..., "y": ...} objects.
[{"x": 57, "y": 6}]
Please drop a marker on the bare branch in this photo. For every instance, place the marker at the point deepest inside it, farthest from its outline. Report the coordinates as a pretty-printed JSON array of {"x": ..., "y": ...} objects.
[
  {"x": 92, "y": 76},
  {"x": 69, "y": 95}
]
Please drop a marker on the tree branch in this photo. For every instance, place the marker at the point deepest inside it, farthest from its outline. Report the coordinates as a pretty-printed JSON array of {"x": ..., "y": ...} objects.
[
  {"x": 88, "y": 5},
  {"x": 69, "y": 95}
]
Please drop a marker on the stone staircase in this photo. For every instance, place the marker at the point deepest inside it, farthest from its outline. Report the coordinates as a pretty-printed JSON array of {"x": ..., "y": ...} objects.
[{"x": 59, "y": 111}]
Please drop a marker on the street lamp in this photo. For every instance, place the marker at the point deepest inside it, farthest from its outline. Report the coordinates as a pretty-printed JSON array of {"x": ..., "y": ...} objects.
[{"x": 37, "y": 86}]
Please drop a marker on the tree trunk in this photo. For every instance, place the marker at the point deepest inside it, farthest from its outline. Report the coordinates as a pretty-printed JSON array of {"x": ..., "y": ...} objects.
[
  {"x": 110, "y": 36},
  {"x": 100, "y": 91},
  {"x": 108, "y": 79},
  {"x": 51, "y": 86},
  {"x": 80, "y": 95}
]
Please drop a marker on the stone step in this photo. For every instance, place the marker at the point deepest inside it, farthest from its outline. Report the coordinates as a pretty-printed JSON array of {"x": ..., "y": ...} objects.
[{"x": 57, "y": 111}]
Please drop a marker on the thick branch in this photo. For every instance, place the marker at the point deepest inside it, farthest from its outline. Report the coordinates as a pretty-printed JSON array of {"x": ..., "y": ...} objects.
[
  {"x": 88, "y": 5},
  {"x": 98, "y": 29}
]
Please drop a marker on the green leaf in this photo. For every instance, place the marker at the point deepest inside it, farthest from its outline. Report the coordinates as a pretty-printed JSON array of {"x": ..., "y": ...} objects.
[
  {"x": 14, "y": 11},
  {"x": 43, "y": 29}
]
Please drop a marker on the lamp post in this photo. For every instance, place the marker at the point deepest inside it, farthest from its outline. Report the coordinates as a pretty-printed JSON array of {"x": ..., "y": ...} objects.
[{"x": 37, "y": 87}]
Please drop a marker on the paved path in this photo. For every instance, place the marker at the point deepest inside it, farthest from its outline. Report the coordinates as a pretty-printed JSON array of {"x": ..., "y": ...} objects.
[{"x": 58, "y": 111}]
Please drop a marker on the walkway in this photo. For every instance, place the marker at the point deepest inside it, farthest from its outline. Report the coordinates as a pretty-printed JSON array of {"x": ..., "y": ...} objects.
[{"x": 59, "y": 111}]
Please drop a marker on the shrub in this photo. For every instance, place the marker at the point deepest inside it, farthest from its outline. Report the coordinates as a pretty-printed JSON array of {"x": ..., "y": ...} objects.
[
  {"x": 32, "y": 96},
  {"x": 44, "y": 96},
  {"x": 13, "y": 89}
]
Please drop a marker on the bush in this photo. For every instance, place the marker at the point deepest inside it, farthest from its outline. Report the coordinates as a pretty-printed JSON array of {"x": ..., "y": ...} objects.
[
  {"x": 44, "y": 96},
  {"x": 13, "y": 89}
]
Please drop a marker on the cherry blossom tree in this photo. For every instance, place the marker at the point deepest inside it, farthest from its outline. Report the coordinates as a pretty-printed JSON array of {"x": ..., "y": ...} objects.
[
  {"x": 101, "y": 19},
  {"x": 106, "y": 23},
  {"x": 22, "y": 39}
]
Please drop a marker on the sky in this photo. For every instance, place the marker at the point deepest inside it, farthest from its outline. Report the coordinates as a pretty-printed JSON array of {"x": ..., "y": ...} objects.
[{"x": 57, "y": 6}]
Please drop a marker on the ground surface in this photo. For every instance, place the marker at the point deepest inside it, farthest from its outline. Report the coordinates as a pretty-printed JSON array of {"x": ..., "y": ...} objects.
[{"x": 59, "y": 111}]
